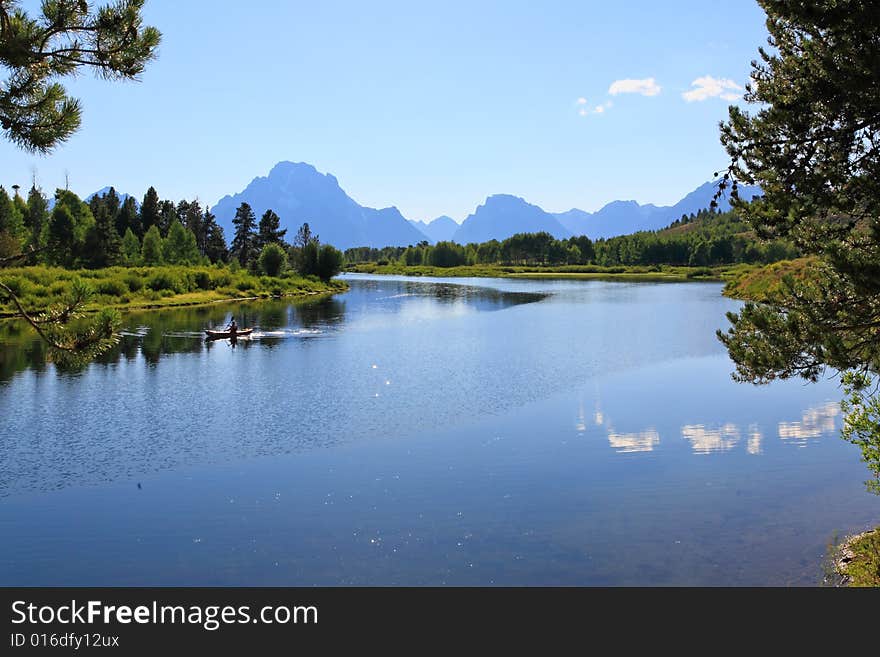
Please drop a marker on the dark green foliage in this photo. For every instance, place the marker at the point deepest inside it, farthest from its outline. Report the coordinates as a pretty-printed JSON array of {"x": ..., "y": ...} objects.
[
  {"x": 245, "y": 240},
  {"x": 704, "y": 239},
  {"x": 103, "y": 244},
  {"x": 167, "y": 216},
  {"x": 35, "y": 111},
  {"x": 180, "y": 248},
  {"x": 37, "y": 215},
  {"x": 270, "y": 231},
  {"x": 272, "y": 259},
  {"x": 151, "y": 249},
  {"x": 11, "y": 218},
  {"x": 215, "y": 241},
  {"x": 194, "y": 221},
  {"x": 128, "y": 217},
  {"x": 307, "y": 259},
  {"x": 329, "y": 262},
  {"x": 131, "y": 249},
  {"x": 150, "y": 214}
]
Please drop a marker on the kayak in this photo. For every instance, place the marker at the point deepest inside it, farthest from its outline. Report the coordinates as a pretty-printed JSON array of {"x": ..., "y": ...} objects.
[{"x": 218, "y": 335}]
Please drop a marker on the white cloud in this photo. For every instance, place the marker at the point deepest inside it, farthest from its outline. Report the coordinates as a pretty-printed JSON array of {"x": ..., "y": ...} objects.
[
  {"x": 708, "y": 87},
  {"x": 646, "y": 87},
  {"x": 581, "y": 101},
  {"x": 598, "y": 109}
]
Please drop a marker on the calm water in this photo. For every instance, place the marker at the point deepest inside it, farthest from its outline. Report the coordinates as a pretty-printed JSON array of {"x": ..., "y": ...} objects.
[{"x": 429, "y": 431}]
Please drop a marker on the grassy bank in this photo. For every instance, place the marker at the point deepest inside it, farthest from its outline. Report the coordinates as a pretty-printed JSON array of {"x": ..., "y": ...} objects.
[
  {"x": 632, "y": 273},
  {"x": 856, "y": 562},
  {"x": 764, "y": 283},
  {"x": 132, "y": 288}
]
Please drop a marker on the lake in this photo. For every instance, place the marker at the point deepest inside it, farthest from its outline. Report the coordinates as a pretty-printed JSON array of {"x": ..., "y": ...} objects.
[{"x": 423, "y": 432}]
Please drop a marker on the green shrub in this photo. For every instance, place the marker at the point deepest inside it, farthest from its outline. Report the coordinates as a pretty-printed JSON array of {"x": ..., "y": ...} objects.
[
  {"x": 164, "y": 280},
  {"x": 111, "y": 287},
  {"x": 203, "y": 280},
  {"x": 272, "y": 259},
  {"x": 134, "y": 282}
]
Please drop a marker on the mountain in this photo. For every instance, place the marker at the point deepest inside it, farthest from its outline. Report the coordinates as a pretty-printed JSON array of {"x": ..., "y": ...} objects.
[
  {"x": 298, "y": 193},
  {"x": 503, "y": 215},
  {"x": 625, "y": 217},
  {"x": 440, "y": 229},
  {"x": 122, "y": 196}
]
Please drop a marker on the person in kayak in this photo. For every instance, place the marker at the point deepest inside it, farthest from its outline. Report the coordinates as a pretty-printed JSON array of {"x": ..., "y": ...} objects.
[{"x": 233, "y": 327}]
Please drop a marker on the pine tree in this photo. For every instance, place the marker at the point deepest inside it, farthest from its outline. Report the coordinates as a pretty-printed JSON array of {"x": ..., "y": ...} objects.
[
  {"x": 270, "y": 231},
  {"x": 103, "y": 244},
  {"x": 215, "y": 246},
  {"x": 11, "y": 220},
  {"x": 195, "y": 222},
  {"x": 244, "y": 242},
  {"x": 150, "y": 214},
  {"x": 167, "y": 216},
  {"x": 61, "y": 237},
  {"x": 37, "y": 215},
  {"x": 151, "y": 249},
  {"x": 128, "y": 217},
  {"x": 35, "y": 111},
  {"x": 131, "y": 249},
  {"x": 66, "y": 231},
  {"x": 180, "y": 246}
]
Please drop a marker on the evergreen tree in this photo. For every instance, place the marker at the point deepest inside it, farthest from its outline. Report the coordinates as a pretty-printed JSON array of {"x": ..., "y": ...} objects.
[
  {"x": 245, "y": 239},
  {"x": 131, "y": 249},
  {"x": 151, "y": 249},
  {"x": 167, "y": 216},
  {"x": 128, "y": 217},
  {"x": 37, "y": 215},
  {"x": 66, "y": 231},
  {"x": 215, "y": 246},
  {"x": 195, "y": 222},
  {"x": 35, "y": 111},
  {"x": 180, "y": 248},
  {"x": 813, "y": 145},
  {"x": 103, "y": 244},
  {"x": 270, "y": 231},
  {"x": 60, "y": 237},
  {"x": 11, "y": 220},
  {"x": 150, "y": 214}
]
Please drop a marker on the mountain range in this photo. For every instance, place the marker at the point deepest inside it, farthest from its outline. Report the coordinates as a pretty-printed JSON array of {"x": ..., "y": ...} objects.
[{"x": 299, "y": 193}]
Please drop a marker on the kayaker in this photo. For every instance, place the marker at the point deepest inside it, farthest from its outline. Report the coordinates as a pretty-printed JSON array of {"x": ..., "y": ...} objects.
[{"x": 233, "y": 327}]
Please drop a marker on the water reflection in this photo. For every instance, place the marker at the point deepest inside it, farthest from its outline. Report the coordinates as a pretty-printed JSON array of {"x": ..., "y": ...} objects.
[
  {"x": 815, "y": 421},
  {"x": 705, "y": 440},
  {"x": 643, "y": 441},
  {"x": 623, "y": 443},
  {"x": 755, "y": 438}
]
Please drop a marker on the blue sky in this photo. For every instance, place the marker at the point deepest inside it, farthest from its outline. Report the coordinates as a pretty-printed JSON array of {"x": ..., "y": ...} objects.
[{"x": 427, "y": 106}]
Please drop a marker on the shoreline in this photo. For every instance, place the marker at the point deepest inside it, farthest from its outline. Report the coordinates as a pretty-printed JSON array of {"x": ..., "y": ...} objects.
[{"x": 648, "y": 274}]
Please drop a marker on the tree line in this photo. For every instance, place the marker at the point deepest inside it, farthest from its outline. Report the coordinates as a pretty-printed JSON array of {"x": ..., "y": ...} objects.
[
  {"x": 699, "y": 239},
  {"x": 109, "y": 230}
]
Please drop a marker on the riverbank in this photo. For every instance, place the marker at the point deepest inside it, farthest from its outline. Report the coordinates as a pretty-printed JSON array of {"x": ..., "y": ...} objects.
[
  {"x": 656, "y": 273},
  {"x": 856, "y": 561},
  {"x": 144, "y": 288},
  {"x": 764, "y": 283}
]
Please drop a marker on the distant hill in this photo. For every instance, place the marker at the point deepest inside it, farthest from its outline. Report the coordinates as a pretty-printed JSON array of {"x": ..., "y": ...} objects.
[
  {"x": 298, "y": 193},
  {"x": 503, "y": 215},
  {"x": 440, "y": 229},
  {"x": 625, "y": 217}
]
